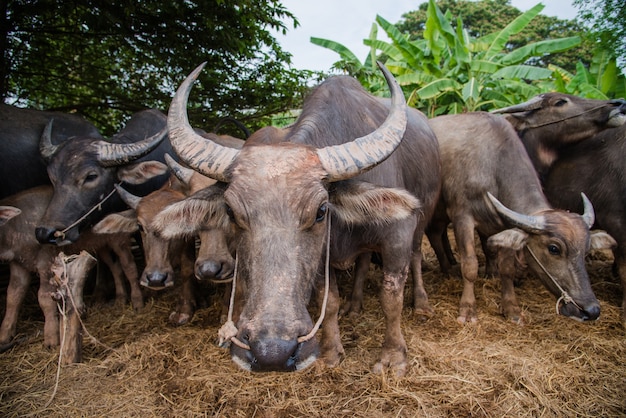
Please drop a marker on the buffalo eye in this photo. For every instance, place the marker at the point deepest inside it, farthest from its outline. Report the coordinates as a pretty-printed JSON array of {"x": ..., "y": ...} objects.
[
  {"x": 321, "y": 212},
  {"x": 90, "y": 177},
  {"x": 554, "y": 249},
  {"x": 560, "y": 102},
  {"x": 230, "y": 213}
]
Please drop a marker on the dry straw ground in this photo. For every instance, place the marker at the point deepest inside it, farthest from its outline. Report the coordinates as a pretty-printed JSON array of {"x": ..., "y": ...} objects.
[{"x": 138, "y": 366}]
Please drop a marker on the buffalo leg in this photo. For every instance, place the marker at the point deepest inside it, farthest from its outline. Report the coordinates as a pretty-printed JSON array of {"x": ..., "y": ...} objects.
[
  {"x": 331, "y": 347},
  {"x": 353, "y": 307},
  {"x": 16, "y": 291},
  {"x": 124, "y": 252},
  {"x": 506, "y": 267},
  {"x": 187, "y": 303},
  {"x": 393, "y": 354},
  {"x": 420, "y": 297},
  {"x": 620, "y": 261},
  {"x": 121, "y": 295},
  {"x": 464, "y": 233}
]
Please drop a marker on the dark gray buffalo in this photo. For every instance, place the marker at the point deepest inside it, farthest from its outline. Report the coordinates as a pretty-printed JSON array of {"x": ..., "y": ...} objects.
[
  {"x": 482, "y": 154},
  {"x": 596, "y": 167},
  {"x": 21, "y": 166},
  {"x": 280, "y": 192},
  {"x": 85, "y": 169},
  {"x": 550, "y": 122}
]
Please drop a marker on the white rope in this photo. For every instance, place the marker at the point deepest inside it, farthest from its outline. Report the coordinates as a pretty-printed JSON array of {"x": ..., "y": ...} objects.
[{"x": 565, "y": 297}]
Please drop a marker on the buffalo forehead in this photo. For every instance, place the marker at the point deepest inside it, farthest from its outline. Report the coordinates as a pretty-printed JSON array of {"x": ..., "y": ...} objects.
[{"x": 278, "y": 162}]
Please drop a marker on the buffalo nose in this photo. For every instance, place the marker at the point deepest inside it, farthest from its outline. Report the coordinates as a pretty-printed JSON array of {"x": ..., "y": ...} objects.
[
  {"x": 45, "y": 235},
  {"x": 208, "y": 270},
  {"x": 592, "y": 312},
  {"x": 156, "y": 279},
  {"x": 274, "y": 355},
  {"x": 213, "y": 269}
]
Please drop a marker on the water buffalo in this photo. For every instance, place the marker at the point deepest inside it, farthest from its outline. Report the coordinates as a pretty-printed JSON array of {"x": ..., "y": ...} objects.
[
  {"x": 483, "y": 155},
  {"x": 85, "y": 169},
  {"x": 550, "y": 122},
  {"x": 21, "y": 166},
  {"x": 214, "y": 260},
  {"x": 279, "y": 191},
  {"x": 596, "y": 167},
  {"x": 26, "y": 255}
]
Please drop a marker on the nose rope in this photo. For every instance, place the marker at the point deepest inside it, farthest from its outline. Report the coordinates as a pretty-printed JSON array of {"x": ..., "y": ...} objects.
[
  {"x": 228, "y": 331},
  {"x": 567, "y": 118},
  {"x": 565, "y": 297},
  {"x": 98, "y": 206}
]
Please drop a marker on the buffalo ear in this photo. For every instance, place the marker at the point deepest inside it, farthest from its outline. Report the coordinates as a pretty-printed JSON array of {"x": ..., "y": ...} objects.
[
  {"x": 513, "y": 238},
  {"x": 204, "y": 209},
  {"x": 359, "y": 202},
  {"x": 141, "y": 172},
  {"x": 600, "y": 240},
  {"x": 8, "y": 212},
  {"x": 121, "y": 222}
]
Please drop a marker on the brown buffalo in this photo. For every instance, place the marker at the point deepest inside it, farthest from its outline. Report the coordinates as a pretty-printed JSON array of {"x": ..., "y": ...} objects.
[
  {"x": 482, "y": 154},
  {"x": 25, "y": 256},
  {"x": 278, "y": 192}
]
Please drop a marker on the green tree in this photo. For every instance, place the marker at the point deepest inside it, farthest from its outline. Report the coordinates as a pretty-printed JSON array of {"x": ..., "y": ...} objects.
[
  {"x": 108, "y": 58},
  {"x": 481, "y": 18}
]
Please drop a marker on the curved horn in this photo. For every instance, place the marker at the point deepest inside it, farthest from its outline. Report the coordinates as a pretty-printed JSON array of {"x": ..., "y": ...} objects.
[
  {"x": 352, "y": 158},
  {"x": 199, "y": 153},
  {"x": 532, "y": 104},
  {"x": 111, "y": 154},
  {"x": 527, "y": 223},
  {"x": 129, "y": 198},
  {"x": 589, "y": 216},
  {"x": 46, "y": 148},
  {"x": 182, "y": 173}
]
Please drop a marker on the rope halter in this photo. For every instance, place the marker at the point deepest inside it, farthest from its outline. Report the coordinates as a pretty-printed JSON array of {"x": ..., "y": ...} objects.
[
  {"x": 565, "y": 297},
  {"x": 228, "y": 332}
]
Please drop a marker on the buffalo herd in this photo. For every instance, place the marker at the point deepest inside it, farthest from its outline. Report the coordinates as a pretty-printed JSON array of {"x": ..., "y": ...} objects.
[{"x": 273, "y": 218}]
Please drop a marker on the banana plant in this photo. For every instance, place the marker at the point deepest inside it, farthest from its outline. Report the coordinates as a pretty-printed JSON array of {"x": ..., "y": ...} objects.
[
  {"x": 447, "y": 71},
  {"x": 602, "y": 80}
]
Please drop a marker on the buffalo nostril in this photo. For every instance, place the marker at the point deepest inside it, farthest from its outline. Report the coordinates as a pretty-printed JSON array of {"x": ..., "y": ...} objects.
[
  {"x": 274, "y": 354},
  {"x": 45, "y": 235},
  {"x": 156, "y": 279},
  {"x": 592, "y": 312},
  {"x": 208, "y": 270}
]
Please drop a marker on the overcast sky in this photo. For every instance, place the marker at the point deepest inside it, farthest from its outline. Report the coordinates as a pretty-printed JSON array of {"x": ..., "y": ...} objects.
[{"x": 349, "y": 21}]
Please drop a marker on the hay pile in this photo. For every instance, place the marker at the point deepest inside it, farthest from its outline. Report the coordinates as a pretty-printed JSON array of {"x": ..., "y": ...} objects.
[{"x": 140, "y": 366}]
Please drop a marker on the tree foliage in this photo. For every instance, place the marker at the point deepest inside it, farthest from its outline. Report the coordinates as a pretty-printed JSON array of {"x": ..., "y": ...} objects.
[
  {"x": 480, "y": 18},
  {"x": 109, "y": 58},
  {"x": 607, "y": 21}
]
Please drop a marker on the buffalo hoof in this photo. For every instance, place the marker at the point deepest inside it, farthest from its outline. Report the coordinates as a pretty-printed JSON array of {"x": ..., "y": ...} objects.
[
  {"x": 467, "y": 314},
  {"x": 331, "y": 353},
  {"x": 393, "y": 360},
  {"x": 514, "y": 314},
  {"x": 350, "y": 310},
  {"x": 179, "y": 318},
  {"x": 422, "y": 309}
]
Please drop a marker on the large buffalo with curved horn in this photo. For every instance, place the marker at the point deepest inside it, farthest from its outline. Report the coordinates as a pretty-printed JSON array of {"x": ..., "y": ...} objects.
[
  {"x": 21, "y": 166},
  {"x": 498, "y": 194},
  {"x": 84, "y": 170},
  {"x": 281, "y": 191}
]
